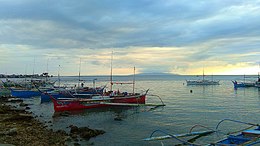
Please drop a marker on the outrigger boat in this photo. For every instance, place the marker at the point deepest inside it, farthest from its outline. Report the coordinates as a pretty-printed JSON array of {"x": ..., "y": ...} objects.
[
  {"x": 110, "y": 98},
  {"x": 64, "y": 93},
  {"x": 243, "y": 84},
  {"x": 100, "y": 101},
  {"x": 246, "y": 137},
  {"x": 27, "y": 93}
]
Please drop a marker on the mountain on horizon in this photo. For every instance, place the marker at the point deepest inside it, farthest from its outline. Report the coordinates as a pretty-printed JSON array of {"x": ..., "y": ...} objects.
[{"x": 158, "y": 73}]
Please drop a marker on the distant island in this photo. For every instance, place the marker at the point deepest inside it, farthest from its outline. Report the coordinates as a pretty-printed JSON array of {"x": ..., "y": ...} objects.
[{"x": 156, "y": 74}]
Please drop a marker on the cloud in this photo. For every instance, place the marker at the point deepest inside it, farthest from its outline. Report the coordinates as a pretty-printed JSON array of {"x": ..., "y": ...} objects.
[{"x": 163, "y": 35}]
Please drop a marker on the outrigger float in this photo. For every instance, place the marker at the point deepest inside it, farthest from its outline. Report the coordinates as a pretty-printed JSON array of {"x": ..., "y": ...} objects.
[{"x": 246, "y": 137}]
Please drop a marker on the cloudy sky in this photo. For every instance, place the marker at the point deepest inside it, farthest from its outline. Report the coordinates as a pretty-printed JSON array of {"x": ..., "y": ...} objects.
[{"x": 167, "y": 36}]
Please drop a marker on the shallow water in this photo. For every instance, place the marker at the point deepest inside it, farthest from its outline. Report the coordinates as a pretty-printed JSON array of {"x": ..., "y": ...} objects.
[{"x": 205, "y": 105}]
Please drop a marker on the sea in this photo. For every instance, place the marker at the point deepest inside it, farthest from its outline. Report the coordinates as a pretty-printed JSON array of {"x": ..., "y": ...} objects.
[{"x": 185, "y": 107}]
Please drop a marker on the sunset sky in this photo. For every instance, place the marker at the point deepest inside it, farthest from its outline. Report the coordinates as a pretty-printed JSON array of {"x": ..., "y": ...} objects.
[{"x": 156, "y": 36}]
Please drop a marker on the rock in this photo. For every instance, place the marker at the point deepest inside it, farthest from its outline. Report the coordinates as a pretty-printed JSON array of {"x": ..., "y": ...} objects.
[
  {"x": 11, "y": 132},
  {"x": 76, "y": 144},
  {"x": 62, "y": 132},
  {"x": 73, "y": 136},
  {"x": 85, "y": 132},
  {"x": 23, "y": 104},
  {"x": 22, "y": 117},
  {"x": 118, "y": 119},
  {"x": 66, "y": 114},
  {"x": 74, "y": 129},
  {"x": 6, "y": 144}
]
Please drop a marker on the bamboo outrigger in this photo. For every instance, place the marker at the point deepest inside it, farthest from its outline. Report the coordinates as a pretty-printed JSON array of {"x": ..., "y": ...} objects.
[{"x": 246, "y": 137}]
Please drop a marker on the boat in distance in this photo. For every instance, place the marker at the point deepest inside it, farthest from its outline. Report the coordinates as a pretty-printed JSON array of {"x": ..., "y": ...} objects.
[
  {"x": 202, "y": 82},
  {"x": 243, "y": 84}
]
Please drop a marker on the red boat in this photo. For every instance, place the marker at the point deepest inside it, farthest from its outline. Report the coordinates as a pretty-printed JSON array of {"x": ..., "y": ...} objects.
[{"x": 101, "y": 101}]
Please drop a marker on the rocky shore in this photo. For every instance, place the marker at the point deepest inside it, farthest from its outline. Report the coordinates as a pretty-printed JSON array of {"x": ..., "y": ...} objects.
[{"x": 19, "y": 127}]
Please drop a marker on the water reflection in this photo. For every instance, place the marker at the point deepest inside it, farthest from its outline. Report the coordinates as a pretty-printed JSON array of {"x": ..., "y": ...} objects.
[{"x": 95, "y": 111}]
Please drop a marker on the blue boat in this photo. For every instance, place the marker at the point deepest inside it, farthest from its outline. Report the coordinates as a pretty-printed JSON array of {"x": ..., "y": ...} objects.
[
  {"x": 25, "y": 93},
  {"x": 243, "y": 84},
  {"x": 46, "y": 97},
  {"x": 80, "y": 93},
  {"x": 246, "y": 137}
]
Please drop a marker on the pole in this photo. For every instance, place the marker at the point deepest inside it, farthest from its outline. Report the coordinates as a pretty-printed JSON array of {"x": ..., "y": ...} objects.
[
  {"x": 134, "y": 81},
  {"x": 59, "y": 75},
  {"x": 203, "y": 74},
  {"x": 79, "y": 70},
  {"x": 111, "y": 72}
]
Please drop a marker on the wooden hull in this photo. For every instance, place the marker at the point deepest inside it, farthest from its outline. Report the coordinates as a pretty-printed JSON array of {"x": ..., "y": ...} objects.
[
  {"x": 24, "y": 93},
  {"x": 68, "y": 105},
  {"x": 247, "y": 137},
  {"x": 68, "y": 94},
  {"x": 20, "y": 93},
  {"x": 243, "y": 84}
]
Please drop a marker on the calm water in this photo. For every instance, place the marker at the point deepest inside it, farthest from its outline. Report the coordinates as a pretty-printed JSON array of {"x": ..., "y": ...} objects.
[{"x": 206, "y": 105}]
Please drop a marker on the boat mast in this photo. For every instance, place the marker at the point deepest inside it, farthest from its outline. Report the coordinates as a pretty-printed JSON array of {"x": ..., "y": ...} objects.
[
  {"x": 79, "y": 70},
  {"x": 258, "y": 72},
  {"x": 244, "y": 78},
  {"x": 47, "y": 70},
  {"x": 111, "y": 72},
  {"x": 203, "y": 74},
  {"x": 134, "y": 81},
  {"x": 59, "y": 75}
]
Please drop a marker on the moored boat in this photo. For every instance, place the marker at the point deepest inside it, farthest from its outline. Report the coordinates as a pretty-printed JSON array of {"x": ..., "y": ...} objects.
[
  {"x": 96, "y": 102},
  {"x": 78, "y": 93},
  {"x": 26, "y": 93},
  {"x": 243, "y": 84},
  {"x": 246, "y": 137},
  {"x": 202, "y": 82}
]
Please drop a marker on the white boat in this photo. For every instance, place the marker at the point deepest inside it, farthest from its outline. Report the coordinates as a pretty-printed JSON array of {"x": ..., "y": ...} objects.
[{"x": 202, "y": 82}]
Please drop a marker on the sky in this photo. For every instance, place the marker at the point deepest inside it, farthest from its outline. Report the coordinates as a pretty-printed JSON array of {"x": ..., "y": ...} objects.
[{"x": 155, "y": 36}]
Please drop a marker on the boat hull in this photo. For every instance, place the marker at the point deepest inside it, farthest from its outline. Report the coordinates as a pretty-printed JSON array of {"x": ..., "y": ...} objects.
[
  {"x": 243, "y": 84},
  {"x": 24, "y": 93},
  {"x": 202, "y": 82},
  {"x": 68, "y": 105},
  {"x": 20, "y": 93},
  {"x": 248, "y": 137}
]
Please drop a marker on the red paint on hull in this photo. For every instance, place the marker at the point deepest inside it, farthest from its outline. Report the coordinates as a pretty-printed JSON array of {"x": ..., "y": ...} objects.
[{"x": 68, "y": 105}]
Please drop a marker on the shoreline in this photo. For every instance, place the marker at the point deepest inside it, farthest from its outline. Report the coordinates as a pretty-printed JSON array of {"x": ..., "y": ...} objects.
[{"x": 19, "y": 127}]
